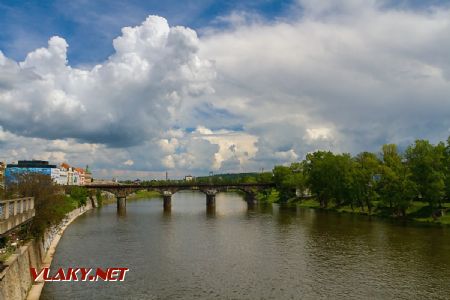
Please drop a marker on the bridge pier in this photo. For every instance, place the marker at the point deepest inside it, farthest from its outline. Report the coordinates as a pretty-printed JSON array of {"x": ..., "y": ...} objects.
[
  {"x": 211, "y": 199},
  {"x": 121, "y": 204},
  {"x": 250, "y": 198},
  {"x": 167, "y": 198}
]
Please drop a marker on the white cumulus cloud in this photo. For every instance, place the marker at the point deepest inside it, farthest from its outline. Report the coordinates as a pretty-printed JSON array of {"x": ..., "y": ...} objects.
[{"x": 123, "y": 101}]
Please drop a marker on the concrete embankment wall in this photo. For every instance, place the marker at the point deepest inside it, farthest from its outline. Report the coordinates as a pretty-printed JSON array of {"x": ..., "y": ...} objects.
[{"x": 15, "y": 279}]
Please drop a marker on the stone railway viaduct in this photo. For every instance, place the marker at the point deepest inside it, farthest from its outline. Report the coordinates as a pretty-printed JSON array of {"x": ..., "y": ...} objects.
[{"x": 167, "y": 190}]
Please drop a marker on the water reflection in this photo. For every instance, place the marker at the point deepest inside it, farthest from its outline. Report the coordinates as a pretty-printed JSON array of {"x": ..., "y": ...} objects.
[
  {"x": 122, "y": 211},
  {"x": 211, "y": 211}
]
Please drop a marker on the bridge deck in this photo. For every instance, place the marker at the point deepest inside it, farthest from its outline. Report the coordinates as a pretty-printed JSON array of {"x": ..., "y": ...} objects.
[{"x": 181, "y": 185}]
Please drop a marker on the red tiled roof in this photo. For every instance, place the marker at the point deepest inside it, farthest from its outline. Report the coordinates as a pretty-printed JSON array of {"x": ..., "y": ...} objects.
[{"x": 79, "y": 170}]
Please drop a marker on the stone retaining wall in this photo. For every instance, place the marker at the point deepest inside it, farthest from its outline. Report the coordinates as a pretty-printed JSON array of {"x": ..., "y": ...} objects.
[{"x": 15, "y": 279}]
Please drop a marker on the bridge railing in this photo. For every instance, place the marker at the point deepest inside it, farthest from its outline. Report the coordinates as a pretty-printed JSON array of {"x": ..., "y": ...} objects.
[
  {"x": 15, "y": 212},
  {"x": 182, "y": 184}
]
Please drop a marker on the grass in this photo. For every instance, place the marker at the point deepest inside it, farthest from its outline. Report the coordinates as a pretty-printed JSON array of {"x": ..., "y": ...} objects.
[
  {"x": 143, "y": 195},
  {"x": 309, "y": 203},
  {"x": 418, "y": 211},
  {"x": 423, "y": 215}
]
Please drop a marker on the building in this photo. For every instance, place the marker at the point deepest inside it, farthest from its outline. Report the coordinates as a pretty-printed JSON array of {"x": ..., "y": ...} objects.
[
  {"x": 68, "y": 171},
  {"x": 2, "y": 173},
  {"x": 71, "y": 173},
  {"x": 81, "y": 176},
  {"x": 55, "y": 174},
  {"x": 74, "y": 176},
  {"x": 188, "y": 178},
  {"x": 27, "y": 167},
  {"x": 63, "y": 175}
]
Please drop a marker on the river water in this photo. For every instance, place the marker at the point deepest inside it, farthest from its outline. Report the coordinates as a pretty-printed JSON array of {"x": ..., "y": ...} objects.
[{"x": 263, "y": 253}]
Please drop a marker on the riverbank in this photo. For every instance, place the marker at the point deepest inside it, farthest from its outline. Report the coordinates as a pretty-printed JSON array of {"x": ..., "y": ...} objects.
[
  {"x": 36, "y": 289},
  {"x": 144, "y": 195},
  {"x": 418, "y": 212},
  {"x": 15, "y": 280}
]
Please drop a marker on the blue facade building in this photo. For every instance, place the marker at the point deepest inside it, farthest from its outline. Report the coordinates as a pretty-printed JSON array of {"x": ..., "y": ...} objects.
[{"x": 27, "y": 167}]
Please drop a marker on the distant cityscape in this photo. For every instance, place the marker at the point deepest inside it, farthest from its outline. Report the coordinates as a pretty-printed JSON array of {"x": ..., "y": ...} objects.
[{"x": 64, "y": 174}]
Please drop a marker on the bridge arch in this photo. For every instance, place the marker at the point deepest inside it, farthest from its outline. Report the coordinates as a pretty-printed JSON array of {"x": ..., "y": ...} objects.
[{"x": 167, "y": 190}]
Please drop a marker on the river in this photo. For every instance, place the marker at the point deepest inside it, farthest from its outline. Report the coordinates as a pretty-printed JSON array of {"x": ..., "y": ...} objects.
[{"x": 267, "y": 252}]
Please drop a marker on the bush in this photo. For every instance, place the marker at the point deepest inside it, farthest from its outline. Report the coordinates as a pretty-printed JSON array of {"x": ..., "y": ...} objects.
[
  {"x": 270, "y": 196},
  {"x": 79, "y": 194}
]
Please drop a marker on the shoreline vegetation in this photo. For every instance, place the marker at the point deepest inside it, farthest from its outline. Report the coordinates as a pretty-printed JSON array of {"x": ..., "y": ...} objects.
[
  {"x": 410, "y": 185},
  {"x": 143, "y": 195},
  {"x": 417, "y": 213}
]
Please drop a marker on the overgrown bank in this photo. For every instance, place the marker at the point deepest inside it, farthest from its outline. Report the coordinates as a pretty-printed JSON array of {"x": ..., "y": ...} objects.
[{"x": 417, "y": 212}]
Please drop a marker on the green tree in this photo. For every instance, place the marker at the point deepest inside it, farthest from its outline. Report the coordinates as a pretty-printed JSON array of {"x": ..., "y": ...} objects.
[
  {"x": 289, "y": 179},
  {"x": 395, "y": 187},
  {"x": 266, "y": 177},
  {"x": 331, "y": 177},
  {"x": 446, "y": 169},
  {"x": 319, "y": 169},
  {"x": 280, "y": 178},
  {"x": 298, "y": 178},
  {"x": 343, "y": 169},
  {"x": 364, "y": 179},
  {"x": 427, "y": 170},
  {"x": 79, "y": 194},
  {"x": 391, "y": 157}
]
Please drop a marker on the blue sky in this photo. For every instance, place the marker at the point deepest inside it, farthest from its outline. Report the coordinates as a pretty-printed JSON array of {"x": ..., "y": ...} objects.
[{"x": 90, "y": 26}]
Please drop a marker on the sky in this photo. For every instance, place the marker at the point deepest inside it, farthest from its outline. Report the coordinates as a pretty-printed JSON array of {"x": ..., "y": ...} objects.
[{"x": 137, "y": 88}]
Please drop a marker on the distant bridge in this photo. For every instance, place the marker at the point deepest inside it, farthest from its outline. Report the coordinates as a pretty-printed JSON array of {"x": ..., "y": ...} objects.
[{"x": 167, "y": 190}]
